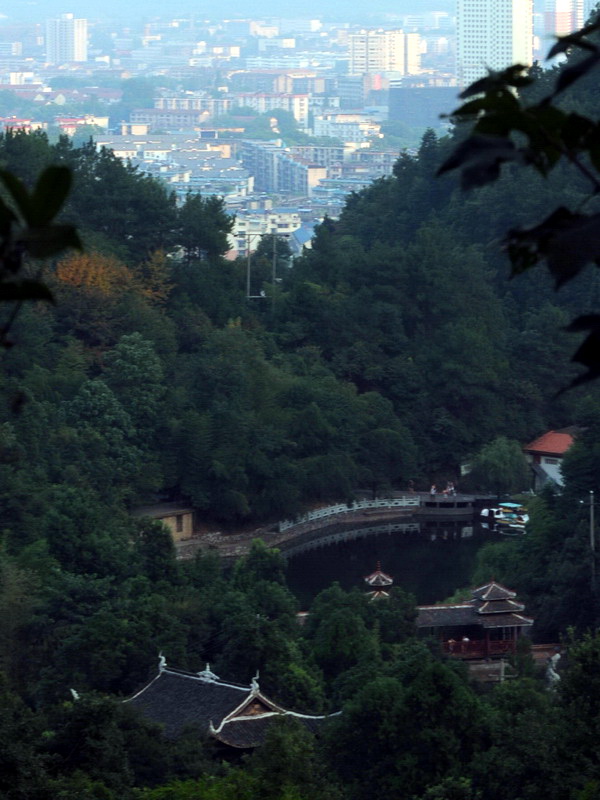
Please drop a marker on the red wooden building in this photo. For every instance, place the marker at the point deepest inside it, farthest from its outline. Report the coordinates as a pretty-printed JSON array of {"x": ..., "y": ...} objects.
[{"x": 487, "y": 626}]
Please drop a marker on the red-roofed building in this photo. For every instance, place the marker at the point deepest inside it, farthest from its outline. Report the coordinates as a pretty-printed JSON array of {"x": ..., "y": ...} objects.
[
  {"x": 70, "y": 125},
  {"x": 26, "y": 125},
  {"x": 545, "y": 455}
]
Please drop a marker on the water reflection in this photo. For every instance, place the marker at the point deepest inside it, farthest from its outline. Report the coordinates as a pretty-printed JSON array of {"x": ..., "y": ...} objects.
[{"x": 430, "y": 559}]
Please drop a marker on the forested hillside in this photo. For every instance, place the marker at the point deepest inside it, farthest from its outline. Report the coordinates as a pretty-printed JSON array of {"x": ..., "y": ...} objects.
[{"x": 391, "y": 351}]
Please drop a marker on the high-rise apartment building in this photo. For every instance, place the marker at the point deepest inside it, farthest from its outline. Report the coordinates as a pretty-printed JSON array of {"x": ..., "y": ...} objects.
[
  {"x": 563, "y": 16},
  {"x": 492, "y": 34},
  {"x": 384, "y": 51},
  {"x": 66, "y": 39}
]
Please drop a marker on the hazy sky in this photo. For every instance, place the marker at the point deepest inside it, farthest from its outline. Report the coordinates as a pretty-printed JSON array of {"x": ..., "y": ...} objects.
[{"x": 333, "y": 9}]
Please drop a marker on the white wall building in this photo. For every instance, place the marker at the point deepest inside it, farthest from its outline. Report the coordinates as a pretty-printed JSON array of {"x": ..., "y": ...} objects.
[
  {"x": 384, "y": 51},
  {"x": 66, "y": 39},
  {"x": 263, "y": 102},
  {"x": 299, "y": 25},
  {"x": 356, "y": 128},
  {"x": 492, "y": 34},
  {"x": 249, "y": 227}
]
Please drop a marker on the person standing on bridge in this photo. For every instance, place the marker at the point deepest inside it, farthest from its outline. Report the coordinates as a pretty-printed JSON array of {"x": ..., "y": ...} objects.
[{"x": 433, "y": 490}]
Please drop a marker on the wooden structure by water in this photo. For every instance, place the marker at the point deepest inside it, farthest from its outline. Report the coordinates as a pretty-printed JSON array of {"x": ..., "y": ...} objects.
[
  {"x": 459, "y": 505},
  {"x": 487, "y": 626}
]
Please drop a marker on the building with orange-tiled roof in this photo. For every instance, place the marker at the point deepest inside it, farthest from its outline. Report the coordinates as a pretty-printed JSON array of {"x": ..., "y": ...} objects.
[
  {"x": 69, "y": 125},
  {"x": 545, "y": 455},
  {"x": 26, "y": 125}
]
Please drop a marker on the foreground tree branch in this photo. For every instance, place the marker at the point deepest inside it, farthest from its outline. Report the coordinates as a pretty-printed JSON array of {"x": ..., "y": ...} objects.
[{"x": 507, "y": 129}]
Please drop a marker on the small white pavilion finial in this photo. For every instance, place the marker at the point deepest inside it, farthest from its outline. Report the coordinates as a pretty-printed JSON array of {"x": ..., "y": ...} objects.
[{"x": 207, "y": 674}]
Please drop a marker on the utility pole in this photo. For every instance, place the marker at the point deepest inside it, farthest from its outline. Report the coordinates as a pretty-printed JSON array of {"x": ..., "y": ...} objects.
[
  {"x": 593, "y": 540},
  {"x": 248, "y": 266},
  {"x": 249, "y": 239}
]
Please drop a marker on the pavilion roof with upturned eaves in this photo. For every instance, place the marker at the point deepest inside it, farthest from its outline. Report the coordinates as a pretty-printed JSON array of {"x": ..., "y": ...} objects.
[
  {"x": 232, "y": 713},
  {"x": 379, "y": 578},
  {"x": 492, "y": 606},
  {"x": 505, "y": 621},
  {"x": 500, "y": 607},
  {"x": 247, "y": 725},
  {"x": 492, "y": 591},
  {"x": 177, "y": 699}
]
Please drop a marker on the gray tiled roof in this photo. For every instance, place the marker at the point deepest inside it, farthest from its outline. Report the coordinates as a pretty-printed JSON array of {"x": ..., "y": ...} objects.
[
  {"x": 446, "y": 616},
  {"x": 175, "y": 699},
  {"x": 492, "y": 591},
  {"x": 246, "y": 733},
  {"x": 463, "y": 615},
  {"x": 500, "y": 607},
  {"x": 159, "y": 510},
  {"x": 504, "y": 621}
]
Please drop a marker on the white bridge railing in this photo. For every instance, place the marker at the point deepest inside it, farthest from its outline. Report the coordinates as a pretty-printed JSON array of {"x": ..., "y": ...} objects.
[
  {"x": 342, "y": 508},
  {"x": 315, "y": 539}
]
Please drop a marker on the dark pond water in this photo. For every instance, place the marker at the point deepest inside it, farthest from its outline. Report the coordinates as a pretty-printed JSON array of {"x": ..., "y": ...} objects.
[{"x": 429, "y": 559}]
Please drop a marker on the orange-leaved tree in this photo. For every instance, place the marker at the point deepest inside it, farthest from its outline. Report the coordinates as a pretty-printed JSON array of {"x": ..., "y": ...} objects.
[{"x": 96, "y": 272}]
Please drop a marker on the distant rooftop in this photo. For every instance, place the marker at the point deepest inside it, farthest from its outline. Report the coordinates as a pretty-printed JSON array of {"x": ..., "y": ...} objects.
[{"x": 552, "y": 443}]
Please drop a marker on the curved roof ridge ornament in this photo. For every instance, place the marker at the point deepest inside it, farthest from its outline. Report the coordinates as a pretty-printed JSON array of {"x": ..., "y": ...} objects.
[
  {"x": 254, "y": 683},
  {"x": 162, "y": 662},
  {"x": 208, "y": 675}
]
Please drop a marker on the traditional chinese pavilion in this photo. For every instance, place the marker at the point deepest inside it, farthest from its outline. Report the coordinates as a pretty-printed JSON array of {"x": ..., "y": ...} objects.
[
  {"x": 379, "y": 581},
  {"x": 487, "y": 626},
  {"x": 236, "y": 715}
]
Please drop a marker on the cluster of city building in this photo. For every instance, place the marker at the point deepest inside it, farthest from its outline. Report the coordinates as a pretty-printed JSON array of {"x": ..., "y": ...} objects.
[{"x": 346, "y": 88}]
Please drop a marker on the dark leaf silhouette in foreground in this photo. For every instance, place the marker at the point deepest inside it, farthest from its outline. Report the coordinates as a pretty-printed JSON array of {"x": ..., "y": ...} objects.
[
  {"x": 508, "y": 129},
  {"x": 28, "y": 231}
]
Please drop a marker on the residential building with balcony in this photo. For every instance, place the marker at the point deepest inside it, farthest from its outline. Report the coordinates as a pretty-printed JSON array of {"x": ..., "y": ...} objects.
[
  {"x": 492, "y": 34},
  {"x": 384, "y": 51},
  {"x": 345, "y": 126},
  {"x": 66, "y": 40},
  {"x": 263, "y": 102}
]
